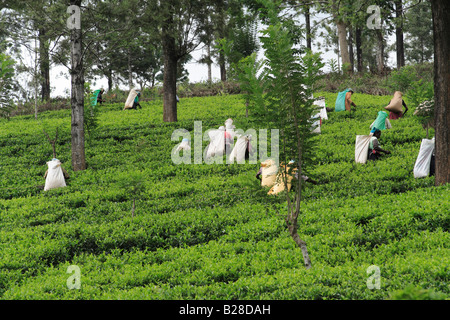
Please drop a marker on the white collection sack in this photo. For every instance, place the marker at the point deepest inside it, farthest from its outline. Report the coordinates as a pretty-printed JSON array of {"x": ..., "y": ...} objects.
[
  {"x": 130, "y": 99},
  {"x": 323, "y": 110},
  {"x": 362, "y": 148},
  {"x": 217, "y": 143},
  {"x": 239, "y": 149},
  {"x": 55, "y": 175},
  {"x": 229, "y": 123},
  {"x": 316, "y": 124},
  {"x": 184, "y": 145},
  {"x": 422, "y": 165}
]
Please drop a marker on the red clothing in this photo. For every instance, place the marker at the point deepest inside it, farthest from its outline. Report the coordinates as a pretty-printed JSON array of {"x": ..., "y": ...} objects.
[{"x": 395, "y": 115}]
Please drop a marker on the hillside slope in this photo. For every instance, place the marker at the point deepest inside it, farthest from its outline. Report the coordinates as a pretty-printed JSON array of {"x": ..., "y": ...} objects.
[{"x": 210, "y": 231}]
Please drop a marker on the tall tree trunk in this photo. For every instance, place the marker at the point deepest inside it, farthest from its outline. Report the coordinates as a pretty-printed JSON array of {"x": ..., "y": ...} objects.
[
  {"x": 380, "y": 51},
  {"x": 35, "y": 79},
  {"x": 308, "y": 27},
  {"x": 130, "y": 71},
  {"x": 350, "y": 49},
  {"x": 343, "y": 44},
  {"x": 342, "y": 36},
  {"x": 77, "y": 98},
  {"x": 170, "y": 72},
  {"x": 209, "y": 63},
  {"x": 441, "y": 34},
  {"x": 292, "y": 219},
  {"x": 110, "y": 80},
  {"x": 223, "y": 69},
  {"x": 44, "y": 65},
  {"x": 358, "y": 44},
  {"x": 399, "y": 34},
  {"x": 221, "y": 30}
]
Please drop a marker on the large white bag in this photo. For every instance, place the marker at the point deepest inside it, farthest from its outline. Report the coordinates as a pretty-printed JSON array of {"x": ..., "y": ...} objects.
[
  {"x": 184, "y": 145},
  {"x": 316, "y": 124},
  {"x": 323, "y": 110},
  {"x": 422, "y": 165},
  {"x": 239, "y": 149},
  {"x": 229, "y": 123},
  {"x": 362, "y": 148},
  {"x": 55, "y": 175},
  {"x": 130, "y": 100},
  {"x": 217, "y": 143}
]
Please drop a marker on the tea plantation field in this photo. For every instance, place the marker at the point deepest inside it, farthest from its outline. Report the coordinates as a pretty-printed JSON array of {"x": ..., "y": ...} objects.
[{"x": 205, "y": 231}]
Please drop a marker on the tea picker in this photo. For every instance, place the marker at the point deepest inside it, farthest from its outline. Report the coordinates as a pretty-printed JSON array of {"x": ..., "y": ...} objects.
[
  {"x": 242, "y": 149},
  {"x": 270, "y": 176},
  {"x": 184, "y": 145},
  {"x": 344, "y": 101},
  {"x": 395, "y": 106},
  {"x": 97, "y": 97},
  {"x": 374, "y": 146},
  {"x": 132, "y": 101},
  {"x": 381, "y": 122}
]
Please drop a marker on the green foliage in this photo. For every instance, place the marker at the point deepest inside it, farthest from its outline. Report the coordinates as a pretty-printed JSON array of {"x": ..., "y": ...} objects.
[
  {"x": 241, "y": 43},
  {"x": 414, "y": 293},
  {"x": 418, "y": 28},
  {"x": 210, "y": 231},
  {"x": 420, "y": 91},
  {"x": 6, "y": 85},
  {"x": 252, "y": 81},
  {"x": 402, "y": 79},
  {"x": 289, "y": 104}
]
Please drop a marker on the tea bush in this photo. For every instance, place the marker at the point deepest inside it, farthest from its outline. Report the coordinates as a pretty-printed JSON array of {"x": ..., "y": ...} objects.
[{"x": 210, "y": 231}]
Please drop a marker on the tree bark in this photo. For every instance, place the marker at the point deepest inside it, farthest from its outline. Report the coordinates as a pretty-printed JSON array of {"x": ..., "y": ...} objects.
[
  {"x": 342, "y": 36},
  {"x": 399, "y": 34},
  {"x": 292, "y": 219},
  {"x": 209, "y": 63},
  {"x": 110, "y": 80},
  {"x": 223, "y": 69},
  {"x": 358, "y": 44},
  {"x": 350, "y": 49},
  {"x": 221, "y": 32},
  {"x": 77, "y": 98},
  {"x": 170, "y": 72},
  {"x": 380, "y": 51},
  {"x": 441, "y": 34},
  {"x": 343, "y": 44},
  {"x": 44, "y": 65},
  {"x": 301, "y": 244},
  {"x": 308, "y": 27},
  {"x": 130, "y": 71}
]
